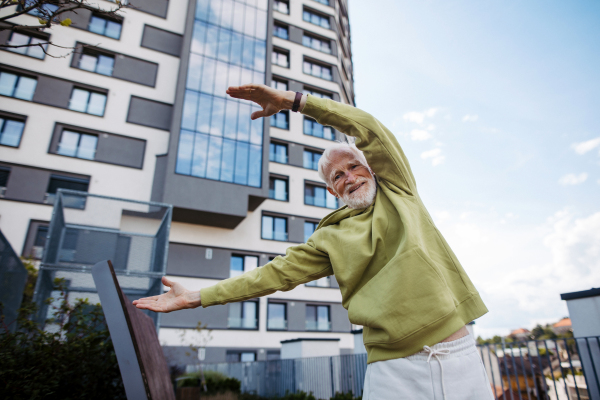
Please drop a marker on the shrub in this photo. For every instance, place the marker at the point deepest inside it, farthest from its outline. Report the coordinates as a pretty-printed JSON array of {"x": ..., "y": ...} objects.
[
  {"x": 74, "y": 361},
  {"x": 216, "y": 382}
]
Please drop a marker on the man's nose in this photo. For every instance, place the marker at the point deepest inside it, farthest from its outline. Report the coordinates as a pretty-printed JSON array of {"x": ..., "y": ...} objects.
[{"x": 350, "y": 177}]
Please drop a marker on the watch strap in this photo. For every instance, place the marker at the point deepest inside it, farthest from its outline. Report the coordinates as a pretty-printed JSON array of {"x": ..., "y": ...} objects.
[{"x": 296, "y": 104}]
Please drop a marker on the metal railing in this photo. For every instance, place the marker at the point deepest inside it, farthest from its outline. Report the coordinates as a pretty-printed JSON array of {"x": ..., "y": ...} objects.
[{"x": 556, "y": 369}]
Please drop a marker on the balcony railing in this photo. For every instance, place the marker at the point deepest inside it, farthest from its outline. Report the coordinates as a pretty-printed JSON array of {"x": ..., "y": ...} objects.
[
  {"x": 321, "y": 201},
  {"x": 242, "y": 323},
  {"x": 277, "y": 324},
  {"x": 280, "y": 158},
  {"x": 318, "y": 325},
  {"x": 277, "y": 195}
]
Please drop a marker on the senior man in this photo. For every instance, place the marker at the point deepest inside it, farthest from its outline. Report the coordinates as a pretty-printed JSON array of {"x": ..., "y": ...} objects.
[{"x": 398, "y": 277}]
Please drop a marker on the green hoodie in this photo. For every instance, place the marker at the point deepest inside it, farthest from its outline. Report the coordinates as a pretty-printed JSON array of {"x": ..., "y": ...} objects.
[{"x": 398, "y": 276}]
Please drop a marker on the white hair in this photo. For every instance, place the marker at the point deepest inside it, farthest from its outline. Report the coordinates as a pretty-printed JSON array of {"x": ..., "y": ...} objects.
[{"x": 325, "y": 160}]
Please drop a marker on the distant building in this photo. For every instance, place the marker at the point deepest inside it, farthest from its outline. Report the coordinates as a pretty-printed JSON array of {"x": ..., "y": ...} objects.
[
  {"x": 520, "y": 334},
  {"x": 563, "y": 326}
]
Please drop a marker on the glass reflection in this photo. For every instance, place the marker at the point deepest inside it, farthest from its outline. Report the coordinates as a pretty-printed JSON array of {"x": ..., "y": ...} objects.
[{"x": 218, "y": 140}]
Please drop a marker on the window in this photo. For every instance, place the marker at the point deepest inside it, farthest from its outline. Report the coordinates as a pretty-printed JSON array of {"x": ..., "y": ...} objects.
[
  {"x": 105, "y": 27},
  {"x": 318, "y": 94},
  {"x": 80, "y": 145},
  {"x": 218, "y": 140},
  {"x": 279, "y": 85},
  {"x": 274, "y": 228},
  {"x": 242, "y": 315},
  {"x": 47, "y": 8},
  {"x": 315, "y": 18},
  {"x": 278, "y": 152},
  {"x": 4, "y": 174},
  {"x": 98, "y": 63},
  {"x": 240, "y": 264},
  {"x": 326, "y": 2},
  {"x": 283, "y": 6},
  {"x": 313, "y": 128},
  {"x": 39, "y": 242},
  {"x": 29, "y": 42},
  {"x": 319, "y": 196},
  {"x": 276, "y": 316},
  {"x": 280, "y": 58},
  {"x": 322, "y": 282},
  {"x": 317, "y": 318},
  {"x": 281, "y": 120},
  {"x": 309, "y": 229},
  {"x": 10, "y": 132},
  {"x": 281, "y": 31},
  {"x": 240, "y": 356},
  {"x": 17, "y": 86},
  {"x": 323, "y": 45},
  {"x": 318, "y": 70},
  {"x": 311, "y": 160},
  {"x": 273, "y": 355},
  {"x": 278, "y": 189},
  {"x": 67, "y": 182},
  {"x": 87, "y": 102}
]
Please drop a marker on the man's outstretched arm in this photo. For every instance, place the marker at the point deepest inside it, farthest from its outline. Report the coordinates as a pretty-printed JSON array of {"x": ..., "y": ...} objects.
[{"x": 379, "y": 145}]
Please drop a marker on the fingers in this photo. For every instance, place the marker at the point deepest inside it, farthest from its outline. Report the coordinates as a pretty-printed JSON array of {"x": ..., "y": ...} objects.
[
  {"x": 143, "y": 299},
  {"x": 166, "y": 282},
  {"x": 258, "y": 114},
  {"x": 246, "y": 92}
]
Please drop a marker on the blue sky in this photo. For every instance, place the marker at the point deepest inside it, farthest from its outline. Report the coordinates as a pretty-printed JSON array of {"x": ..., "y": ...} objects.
[{"x": 497, "y": 105}]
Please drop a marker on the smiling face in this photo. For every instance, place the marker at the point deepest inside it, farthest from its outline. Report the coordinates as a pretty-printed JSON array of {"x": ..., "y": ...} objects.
[{"x": 350, "y": 180}]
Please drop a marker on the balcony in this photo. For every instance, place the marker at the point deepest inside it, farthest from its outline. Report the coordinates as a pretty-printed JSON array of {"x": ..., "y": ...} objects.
[
  {"x": 242, "y": 323},
  {"x": 318, "y": 326},
  {"x": 277, "y": 324}
]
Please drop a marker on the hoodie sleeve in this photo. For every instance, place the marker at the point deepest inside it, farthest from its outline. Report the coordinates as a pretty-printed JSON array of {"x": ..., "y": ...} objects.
[
  {"x": 301, "y": 264},
  {"x": 379, "y": 145}
]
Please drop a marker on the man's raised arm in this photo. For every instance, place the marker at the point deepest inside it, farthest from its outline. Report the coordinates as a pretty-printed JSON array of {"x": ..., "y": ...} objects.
[{"x": 379, "y": 145}]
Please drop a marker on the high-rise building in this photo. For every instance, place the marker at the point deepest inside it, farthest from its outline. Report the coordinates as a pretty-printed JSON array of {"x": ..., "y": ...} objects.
[{"x": 142, "y": 114}]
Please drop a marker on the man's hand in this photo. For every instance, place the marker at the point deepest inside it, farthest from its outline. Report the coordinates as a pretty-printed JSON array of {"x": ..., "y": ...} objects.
[
  {"x": 271, "y": 100},
  {"x": 178, "y": 298}
]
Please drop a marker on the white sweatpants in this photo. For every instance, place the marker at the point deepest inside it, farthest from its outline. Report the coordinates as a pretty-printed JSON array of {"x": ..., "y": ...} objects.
[{"x": 419, "y": 376}]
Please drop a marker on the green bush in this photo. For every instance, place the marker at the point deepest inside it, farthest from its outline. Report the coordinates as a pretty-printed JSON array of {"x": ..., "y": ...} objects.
[
  {"x": 298, "y": 396},
  {"x": 216, "y": 382},
  {"x": 76, "y": 360}
]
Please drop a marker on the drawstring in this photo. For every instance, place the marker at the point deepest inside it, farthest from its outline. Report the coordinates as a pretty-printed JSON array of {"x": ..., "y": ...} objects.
[{"x": 435, "y": 353}]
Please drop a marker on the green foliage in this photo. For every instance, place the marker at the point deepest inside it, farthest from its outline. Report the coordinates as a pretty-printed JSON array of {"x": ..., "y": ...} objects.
[
  {"x": 298, "y": 396},
  {"x": 73, "y": 360},
  {"x": 216, "y": 382},
  {"x": 288, "y": 396}
]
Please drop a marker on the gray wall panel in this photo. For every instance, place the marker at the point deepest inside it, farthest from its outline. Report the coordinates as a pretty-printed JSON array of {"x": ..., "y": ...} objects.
[
  {"x": 213, "y": 317},
  {"x": 296, "y": 316},
  {"x": 296, "y": 229},
  {"x": 4, "y": 35},
  {"x": 189, "y": 260},
  {"x": 154, "y": 7},
  {"x": 158, "y": 182},
  {"x": 296, "y": 154},
  {"x": 296, "y": 34},
  {"x": 184, "y": 355},
  {"x": 79, "y": 19},
  {"x": 27, "y": 184},
  {"x": 334, "y": 282},
  {"x": 339, "y": 318},
  {"x": 135, "y": 70},
  {"x": 150, "y": 113},
  {"x": 53, "y": 92},
  {"x": 161, "y": 40},
  {"x": 121, "y": 150},
  {"x": 295, "y": 86}
]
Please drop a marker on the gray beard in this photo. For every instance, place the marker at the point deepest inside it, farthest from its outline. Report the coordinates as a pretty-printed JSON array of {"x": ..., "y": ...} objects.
[{"x": 363, "y": 198}]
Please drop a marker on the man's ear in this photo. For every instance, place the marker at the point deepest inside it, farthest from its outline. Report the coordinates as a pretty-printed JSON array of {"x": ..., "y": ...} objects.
[{"x": 330, "y": 190}]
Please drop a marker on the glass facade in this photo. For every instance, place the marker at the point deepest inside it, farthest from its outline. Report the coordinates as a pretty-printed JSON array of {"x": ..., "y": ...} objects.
[{"x": 218, "y": 140}]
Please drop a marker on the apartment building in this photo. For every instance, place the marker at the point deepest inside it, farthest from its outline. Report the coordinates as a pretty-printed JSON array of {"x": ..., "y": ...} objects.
[{"x": 143, "y": 115}]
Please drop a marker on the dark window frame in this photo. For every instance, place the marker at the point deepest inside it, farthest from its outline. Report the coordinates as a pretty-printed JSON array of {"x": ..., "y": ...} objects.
[
  {"x": 76, "y": 87},
  {"x": 319, "y": 14},
  {"x": 12, "y": 117},
  {"x": 285, "y": 315},
  {"x": 257, "y": 308},
  {"x": 313, "y": 185},
  {"x": 281, "y": 115},
  {"x": 283, "y": 26},
  {"x": 31, "y": 35},
  {"x": 274, "y": 158},
  {"x": 287, "y": 227},
  {"x": 316, "y": 306},
  {"x": 285, "y": 52},
  {"x": 286, "y": 179},
  {"x": 320, "y": 64},
  {"x": 19, "y": 75}
]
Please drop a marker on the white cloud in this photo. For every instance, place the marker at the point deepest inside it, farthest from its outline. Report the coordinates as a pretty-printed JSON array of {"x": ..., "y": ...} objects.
[
  {"x": 419, "y": 117},
  {"x": 573, "y": 179},
  {"x": 470, "y": 118},
  {"x": 436, "y": 156},
  {"x": 521, "y": 269},
  {"x": 419, "y": 134},
  {"x": 584, "y": 147}
]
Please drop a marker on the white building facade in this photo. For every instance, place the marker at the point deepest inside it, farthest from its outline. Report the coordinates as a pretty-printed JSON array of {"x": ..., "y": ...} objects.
[{"x": 142, "y": 114}]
